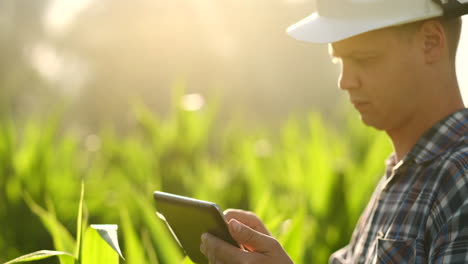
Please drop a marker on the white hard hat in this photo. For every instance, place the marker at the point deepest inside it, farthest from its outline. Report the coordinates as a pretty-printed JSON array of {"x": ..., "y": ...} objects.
[{"x": 336, "y": 20}]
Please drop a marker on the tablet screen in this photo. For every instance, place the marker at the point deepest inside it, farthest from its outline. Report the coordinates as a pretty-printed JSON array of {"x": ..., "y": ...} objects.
[{"x": 188, "y": 219}]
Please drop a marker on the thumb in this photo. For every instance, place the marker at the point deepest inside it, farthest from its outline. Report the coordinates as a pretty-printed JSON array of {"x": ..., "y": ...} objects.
[{"x": 251, "y": 239}]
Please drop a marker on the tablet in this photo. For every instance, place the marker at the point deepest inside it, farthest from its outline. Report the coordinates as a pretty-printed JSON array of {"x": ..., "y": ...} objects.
[{"x": 188, "y": 219}]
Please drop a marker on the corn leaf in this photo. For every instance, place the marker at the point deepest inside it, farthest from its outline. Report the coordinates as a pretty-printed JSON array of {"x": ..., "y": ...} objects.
[
  {"x": 133, "y": 246},
  {"x": 38, "y": 255},
  {"x": 63, "y": 240},
  {"x": 79, "y": 224},
  {"x": 100, "y": 245}
]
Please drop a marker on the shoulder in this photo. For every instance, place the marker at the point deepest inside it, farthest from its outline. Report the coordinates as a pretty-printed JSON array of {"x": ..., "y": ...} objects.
[
  {"x": 450, "y": 185},
  {"x": 452, "y": 171},
  {"x": 455, "y": 161},
  {"x": 447, "y": 224}
]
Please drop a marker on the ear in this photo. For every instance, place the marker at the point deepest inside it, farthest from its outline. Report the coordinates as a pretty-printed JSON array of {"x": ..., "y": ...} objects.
[{"x": 434, "y": 41}]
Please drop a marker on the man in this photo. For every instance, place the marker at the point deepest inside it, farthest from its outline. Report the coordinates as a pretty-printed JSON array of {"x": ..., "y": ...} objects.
[{"x": 398, "y": 67}]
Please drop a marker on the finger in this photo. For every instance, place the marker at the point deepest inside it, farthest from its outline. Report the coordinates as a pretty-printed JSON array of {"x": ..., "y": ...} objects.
[
  {"x": 218, "y": 251},
  {"x": 252, "y": 239},
  {"x": 247, "y": 218}
]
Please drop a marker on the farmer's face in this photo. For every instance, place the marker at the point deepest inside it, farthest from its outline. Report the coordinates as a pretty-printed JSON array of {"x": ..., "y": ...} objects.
[{"x": 379, "y": 72}]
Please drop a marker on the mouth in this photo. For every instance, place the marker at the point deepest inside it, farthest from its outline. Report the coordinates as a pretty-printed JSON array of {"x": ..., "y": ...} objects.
[{"x": 359, "y": 105}]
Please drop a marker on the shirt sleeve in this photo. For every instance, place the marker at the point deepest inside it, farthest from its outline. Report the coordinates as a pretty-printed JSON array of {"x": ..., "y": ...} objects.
[
  {"x": 339, "y": 257},
  {"x": 450, "y": 220}
]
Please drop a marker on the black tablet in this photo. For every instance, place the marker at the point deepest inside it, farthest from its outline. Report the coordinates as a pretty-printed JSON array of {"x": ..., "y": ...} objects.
[{"x": 188, "y": 219}]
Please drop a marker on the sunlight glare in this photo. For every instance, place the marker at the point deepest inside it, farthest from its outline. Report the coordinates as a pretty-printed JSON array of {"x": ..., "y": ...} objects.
[
  {"x": 46, "y": 61},
  {"x": 462, "y": 61},
  {"x": 69, "y": 72},
  {"x": 219, "y": 35},
  {"x": 193, "y": 102},
  {"x": 295, "y": 2},
  {"x": 60, "y": 13}
]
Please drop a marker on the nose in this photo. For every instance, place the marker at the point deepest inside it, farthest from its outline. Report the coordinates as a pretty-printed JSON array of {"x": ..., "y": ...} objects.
[{"x": 349, "y": 78}]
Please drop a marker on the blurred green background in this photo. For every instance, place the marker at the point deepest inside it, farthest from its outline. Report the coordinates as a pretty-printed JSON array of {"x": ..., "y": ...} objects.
[{"x": 203, "y": 98}]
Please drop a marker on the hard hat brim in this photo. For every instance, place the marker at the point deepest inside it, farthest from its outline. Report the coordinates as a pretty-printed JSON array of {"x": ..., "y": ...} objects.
[{"x": 320, "y": 29}]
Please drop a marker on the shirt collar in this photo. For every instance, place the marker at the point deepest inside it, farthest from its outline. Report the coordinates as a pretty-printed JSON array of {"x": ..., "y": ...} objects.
[{"x": 440, "y": 138}]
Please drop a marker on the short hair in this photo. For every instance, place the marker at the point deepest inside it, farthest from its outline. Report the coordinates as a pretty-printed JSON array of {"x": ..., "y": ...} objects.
[{"x": 452, "y": 28}]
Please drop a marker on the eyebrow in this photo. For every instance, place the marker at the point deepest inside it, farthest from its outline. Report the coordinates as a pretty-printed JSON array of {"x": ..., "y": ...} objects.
[
  {"x": 353, "y": 54},
  {"x": 336, "y": 55}
]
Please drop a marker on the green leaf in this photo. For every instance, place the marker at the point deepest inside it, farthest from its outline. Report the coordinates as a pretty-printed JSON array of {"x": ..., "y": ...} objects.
[
  {"x": 63, "y": 240},
  {"x": 166, "y": 248},
  {"x": 293, "y": 238},
  {"x": 79, "y": 224},
  {"x": 133, "y": 246},
  {"x": 38, "y": 255},
  {"x": 100, "y": 245}
]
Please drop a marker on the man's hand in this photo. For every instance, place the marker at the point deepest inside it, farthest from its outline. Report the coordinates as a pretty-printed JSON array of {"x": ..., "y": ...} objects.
[
  {"x": 252, "y": 235},
  {"x": 247, "y": 218}
]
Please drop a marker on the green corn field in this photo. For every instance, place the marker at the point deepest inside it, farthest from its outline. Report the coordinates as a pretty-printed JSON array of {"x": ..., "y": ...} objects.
[{"x": 309, "y": 181}]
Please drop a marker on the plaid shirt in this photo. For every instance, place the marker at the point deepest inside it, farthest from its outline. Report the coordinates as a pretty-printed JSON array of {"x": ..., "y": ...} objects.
[{"x": 419, "y": 210}]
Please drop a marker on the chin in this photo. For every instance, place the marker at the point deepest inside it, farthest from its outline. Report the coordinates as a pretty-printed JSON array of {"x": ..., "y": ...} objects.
[{"x": 372, "y": 123}]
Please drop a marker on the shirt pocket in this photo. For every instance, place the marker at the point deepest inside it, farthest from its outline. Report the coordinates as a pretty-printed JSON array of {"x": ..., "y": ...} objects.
[{"x": 395, "y": 251}]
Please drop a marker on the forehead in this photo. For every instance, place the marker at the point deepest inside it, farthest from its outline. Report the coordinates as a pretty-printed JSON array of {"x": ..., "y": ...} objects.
[{"x": 374, "y": 41}]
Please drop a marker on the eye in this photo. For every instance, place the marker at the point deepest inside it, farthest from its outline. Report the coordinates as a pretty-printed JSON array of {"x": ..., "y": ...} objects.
[{"x": 365, "y": 60}]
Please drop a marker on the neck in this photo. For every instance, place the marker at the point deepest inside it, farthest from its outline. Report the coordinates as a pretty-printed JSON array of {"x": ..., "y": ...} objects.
[{"x": 447, "y": 101}]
